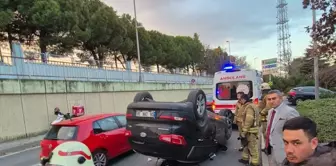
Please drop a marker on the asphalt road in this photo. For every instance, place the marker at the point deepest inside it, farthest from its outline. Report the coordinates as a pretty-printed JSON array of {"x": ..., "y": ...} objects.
[{"x": 30, "y": 157}]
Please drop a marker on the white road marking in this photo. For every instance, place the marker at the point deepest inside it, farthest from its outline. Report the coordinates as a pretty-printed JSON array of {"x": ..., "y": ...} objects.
[{"x": 18, "y": 152}]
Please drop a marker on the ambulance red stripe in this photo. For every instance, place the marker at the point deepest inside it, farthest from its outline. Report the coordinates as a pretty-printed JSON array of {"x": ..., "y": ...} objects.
[
  {"x": 74, "y": 153},
  {"x": 225, "y": 106}
]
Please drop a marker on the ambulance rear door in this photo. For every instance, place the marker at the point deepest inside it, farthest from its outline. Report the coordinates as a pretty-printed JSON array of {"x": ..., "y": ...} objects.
[{"x": 227, "y": 84}]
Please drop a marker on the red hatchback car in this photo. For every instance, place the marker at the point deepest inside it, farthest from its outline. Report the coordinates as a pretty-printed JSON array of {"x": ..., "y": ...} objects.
[{"x": 104, "y": 134}]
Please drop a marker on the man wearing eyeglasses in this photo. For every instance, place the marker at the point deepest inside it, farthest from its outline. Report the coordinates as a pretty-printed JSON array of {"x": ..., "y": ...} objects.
[{"x": 277, "y": 116}]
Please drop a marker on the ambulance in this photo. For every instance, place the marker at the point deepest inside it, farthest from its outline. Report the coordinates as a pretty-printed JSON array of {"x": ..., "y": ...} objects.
[{"x": 231, "y": 80}]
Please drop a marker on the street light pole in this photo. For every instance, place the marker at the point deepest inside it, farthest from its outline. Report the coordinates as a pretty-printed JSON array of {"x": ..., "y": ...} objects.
[
  {"x": 254, "y": 62},
  {"x": 229, "y": 50},
  {"x": 316, "y": 59},
  {"x": 137, "y": 40}
]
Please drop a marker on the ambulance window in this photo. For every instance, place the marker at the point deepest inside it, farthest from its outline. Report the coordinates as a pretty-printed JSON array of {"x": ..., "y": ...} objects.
[{"x": 228, "y": 90}]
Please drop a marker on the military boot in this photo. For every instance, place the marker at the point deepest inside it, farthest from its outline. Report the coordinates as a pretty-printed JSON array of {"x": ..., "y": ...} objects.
[{"x": 243, "y": 161}]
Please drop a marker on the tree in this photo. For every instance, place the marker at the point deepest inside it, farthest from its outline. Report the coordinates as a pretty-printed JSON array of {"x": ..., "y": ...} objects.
[
  {"x": 324, "y": 30},
  {"x": 59, "y": 26},
  {"x": 241, "y": 61},
  {"x": 51, "y": 21},
  {"x": 328, "y": 77},
  {"x": 157, "y": 54},
  {"x": 99, "y": 30},
  {"x": 213, "y": 60},
  {"x": 13, "y": 25}
]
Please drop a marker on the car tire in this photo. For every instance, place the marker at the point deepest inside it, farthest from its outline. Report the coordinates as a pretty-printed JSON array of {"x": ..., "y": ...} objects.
[
  {"x": 143, "y": 96},
  {"x": 198, "y": 100},
  {"x": 100, "y": 158},
  {"x": 229, "y": 117}
]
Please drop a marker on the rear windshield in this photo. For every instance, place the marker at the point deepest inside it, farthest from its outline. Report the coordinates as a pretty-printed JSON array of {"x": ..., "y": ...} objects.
[
  {"x": 228, "y": 90},
  {"x": 62, "y": 133}
]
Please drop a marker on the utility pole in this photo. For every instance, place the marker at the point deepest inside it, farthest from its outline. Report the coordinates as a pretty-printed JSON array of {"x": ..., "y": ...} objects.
[
  {"x": 229, "y": 50},
  {"x": 316, "y": 58},
  {"x": 137, "y": 41},
  {"x": 254, "y": 63}
]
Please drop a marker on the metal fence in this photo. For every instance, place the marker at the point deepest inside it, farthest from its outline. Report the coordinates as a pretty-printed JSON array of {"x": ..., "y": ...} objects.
[{"x": 14, "y": 67}]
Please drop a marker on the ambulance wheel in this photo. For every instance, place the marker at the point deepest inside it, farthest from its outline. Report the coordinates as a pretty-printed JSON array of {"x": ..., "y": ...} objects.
[
  {"x": 100, "y": 158},
  {"x": 198, "y": 100},
  {"x": 229, "y": 120},
  {"x": 143, "y": 96}
]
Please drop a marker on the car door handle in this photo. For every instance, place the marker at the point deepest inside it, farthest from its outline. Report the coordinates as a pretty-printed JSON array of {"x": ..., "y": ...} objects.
[{"x": 103, "y": 136}]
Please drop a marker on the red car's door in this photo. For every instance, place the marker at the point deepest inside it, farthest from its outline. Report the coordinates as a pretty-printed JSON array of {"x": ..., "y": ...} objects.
[
  {"x": 110, "y": 136},
  {"x": 123, "y": 139}
]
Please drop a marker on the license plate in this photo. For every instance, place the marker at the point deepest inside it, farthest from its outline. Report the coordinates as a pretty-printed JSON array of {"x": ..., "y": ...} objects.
[{"x": 147, "y": 114}]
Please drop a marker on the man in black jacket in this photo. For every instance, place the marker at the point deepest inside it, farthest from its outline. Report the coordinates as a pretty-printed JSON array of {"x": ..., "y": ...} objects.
[{"x": 301, "y": 142}]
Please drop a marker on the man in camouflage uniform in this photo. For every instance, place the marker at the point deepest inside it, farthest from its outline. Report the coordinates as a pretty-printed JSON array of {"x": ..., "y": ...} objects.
[
  {"x": 250, "y": 132},
  {"x": 238, "y": 119},
  {"x": 264, "y": 107}
]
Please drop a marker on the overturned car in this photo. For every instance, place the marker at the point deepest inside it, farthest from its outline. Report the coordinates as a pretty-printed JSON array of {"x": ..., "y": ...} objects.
[{"x": 176, "y": 131}]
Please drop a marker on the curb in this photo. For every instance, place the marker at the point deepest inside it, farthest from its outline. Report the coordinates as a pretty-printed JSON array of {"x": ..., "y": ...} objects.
[{"x": 19, "y": 145}]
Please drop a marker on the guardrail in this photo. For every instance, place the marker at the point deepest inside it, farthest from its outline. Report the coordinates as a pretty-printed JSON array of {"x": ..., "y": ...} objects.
[{"x": 23, "y": 68}]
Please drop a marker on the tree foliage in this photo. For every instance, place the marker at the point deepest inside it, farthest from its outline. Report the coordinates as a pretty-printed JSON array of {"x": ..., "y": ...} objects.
[
  {"x": 302, "y": 74},
  {"x": 60, "y": 26},
  {"x": 323, "y": 31}
]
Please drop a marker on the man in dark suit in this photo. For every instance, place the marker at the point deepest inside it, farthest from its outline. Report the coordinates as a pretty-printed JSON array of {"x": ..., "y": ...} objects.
[{"x": 277, "y": 116}]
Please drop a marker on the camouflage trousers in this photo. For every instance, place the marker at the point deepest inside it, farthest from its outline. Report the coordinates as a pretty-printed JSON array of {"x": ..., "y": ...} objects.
[
  {"x": 239, "y": 125},
  {"x": 251, "y": 151},
  {"x": 263, "y": 128}
]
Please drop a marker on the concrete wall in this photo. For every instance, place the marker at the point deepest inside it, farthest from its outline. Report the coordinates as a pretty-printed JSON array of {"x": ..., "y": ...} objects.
[{"x": 26, "y": 106}]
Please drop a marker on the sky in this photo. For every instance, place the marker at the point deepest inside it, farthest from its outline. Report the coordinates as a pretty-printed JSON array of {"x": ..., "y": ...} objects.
[{"x": 250, "y": 26}]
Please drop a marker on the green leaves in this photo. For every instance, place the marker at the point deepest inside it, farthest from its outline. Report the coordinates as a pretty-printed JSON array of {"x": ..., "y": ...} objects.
[
  {"x": 323, "y": 113},
  {"x": 60, "y": 26}
]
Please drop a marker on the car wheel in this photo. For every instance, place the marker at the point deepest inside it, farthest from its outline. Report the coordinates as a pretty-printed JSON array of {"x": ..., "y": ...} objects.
[
  {"x": 143, "y": 96},
  {"x": 229, "y": 120},
  {"x": 198, "y": 99},
  {"x": 99, "y": 158}
]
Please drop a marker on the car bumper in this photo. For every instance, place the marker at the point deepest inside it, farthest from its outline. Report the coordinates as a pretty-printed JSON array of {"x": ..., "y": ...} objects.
[{"x": 194, "y": 153}]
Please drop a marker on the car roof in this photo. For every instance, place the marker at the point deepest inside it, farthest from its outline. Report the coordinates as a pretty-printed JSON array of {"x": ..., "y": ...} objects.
[
  {"x": 304, "y": 87},
  {"x": 85, "y": 118}
]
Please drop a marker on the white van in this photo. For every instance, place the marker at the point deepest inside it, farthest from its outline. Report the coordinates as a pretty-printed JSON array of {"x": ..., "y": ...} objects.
[{"x": 230, "y": 81}]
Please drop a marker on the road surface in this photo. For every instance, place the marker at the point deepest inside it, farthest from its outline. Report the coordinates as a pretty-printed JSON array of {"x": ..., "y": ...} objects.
[{"x": 30, "y": 157}]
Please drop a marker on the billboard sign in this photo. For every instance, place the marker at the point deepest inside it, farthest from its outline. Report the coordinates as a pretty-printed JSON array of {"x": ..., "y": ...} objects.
[
  {"x": 270, "y": 66},
  {"x": 269, "y": 61}
]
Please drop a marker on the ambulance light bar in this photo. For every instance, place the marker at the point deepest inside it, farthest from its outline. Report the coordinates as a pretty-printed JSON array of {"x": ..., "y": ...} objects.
[{"x": 229, "y": 67}]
